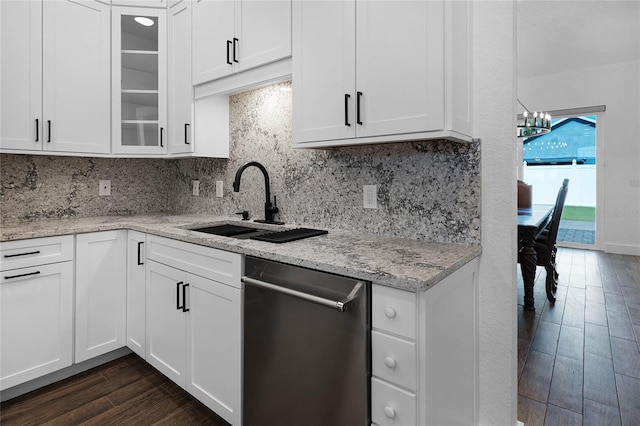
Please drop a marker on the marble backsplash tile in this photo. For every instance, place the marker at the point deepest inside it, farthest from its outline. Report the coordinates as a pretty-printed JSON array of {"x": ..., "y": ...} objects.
[{"x": 426, "y": 190}]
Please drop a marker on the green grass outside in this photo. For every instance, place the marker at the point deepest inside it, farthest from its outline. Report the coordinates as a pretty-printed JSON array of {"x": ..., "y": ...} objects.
[{"x": 581, "y": 213}]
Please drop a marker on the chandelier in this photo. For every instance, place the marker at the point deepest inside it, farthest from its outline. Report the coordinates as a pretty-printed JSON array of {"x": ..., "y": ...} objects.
[{"x": 534, "y": 124}]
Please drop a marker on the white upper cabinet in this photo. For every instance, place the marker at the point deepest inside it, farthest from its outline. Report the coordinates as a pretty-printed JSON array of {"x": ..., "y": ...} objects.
[
  {"x": 232, "y": 36},
  {"x": 55, "y": 76},
  {"x": 180, "y": 106},
  {"x": 139, "y": 81},
  {"x": 21, "y": 75},
  {"x": 380, "y": 71}
]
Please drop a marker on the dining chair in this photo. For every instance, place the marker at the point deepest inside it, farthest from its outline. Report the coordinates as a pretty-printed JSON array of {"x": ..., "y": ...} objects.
[{"x": 545, "y": 244}]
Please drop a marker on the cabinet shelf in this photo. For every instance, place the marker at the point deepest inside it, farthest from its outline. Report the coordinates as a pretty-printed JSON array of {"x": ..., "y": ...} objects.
[
  {"x": 140, "y": 92},
  {"x": 139, "y": 121}
]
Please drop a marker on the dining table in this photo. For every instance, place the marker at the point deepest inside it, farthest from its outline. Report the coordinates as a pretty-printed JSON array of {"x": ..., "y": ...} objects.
[{"x": 531, "y": 222}]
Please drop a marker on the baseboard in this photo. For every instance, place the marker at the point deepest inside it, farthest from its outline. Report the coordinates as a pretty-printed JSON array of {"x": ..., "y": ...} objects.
[
  {"x": 56, "y": 376},
  {"x": 631, "y": 250}
]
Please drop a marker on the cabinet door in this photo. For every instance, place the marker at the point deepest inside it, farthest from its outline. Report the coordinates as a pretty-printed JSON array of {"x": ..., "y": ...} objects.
[
  {"x": 139, "y": 81},
  {"x": 213, "y": 44},
  {"x": 264, "y": 34},
  {"x": 400, "y": 67},
  {"x": 214, "y": 346},
  {"x": 76, "y": 75},
  {"x": 136, "y": 292},
  {"x": 21, "y": 75},
  {"x": 36, "y": 325},
  {"x": 324, "y": 69},
  {"x": 180, "y": 107},
  {"x": 166, "y": 322},
  {"x": 101, "y": 296}
]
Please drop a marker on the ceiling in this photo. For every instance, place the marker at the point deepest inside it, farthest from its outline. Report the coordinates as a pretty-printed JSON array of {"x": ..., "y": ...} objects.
[{"x": 575, "y": 34}]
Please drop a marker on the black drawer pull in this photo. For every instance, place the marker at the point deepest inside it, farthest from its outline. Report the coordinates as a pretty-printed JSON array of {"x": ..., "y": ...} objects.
[
  {"x": 228, "y": 59},
  {"x": 359, "y": 95},
  {"x": 186, "y": 133},
  {"x": 235, "y": 42},
  {"x": 161, "y": 133},
  {"x": 8, "y": 277},
  {"x": 49, "y": 134},
  {"x": 140, "y": 244},
  {"x": 178, "y": 307},
  {"x": 21, "y": 254},
  {"x": 184, "y": 298},
  {"x": 346, "y": 109},
  {"x": 37, "y": 130}
]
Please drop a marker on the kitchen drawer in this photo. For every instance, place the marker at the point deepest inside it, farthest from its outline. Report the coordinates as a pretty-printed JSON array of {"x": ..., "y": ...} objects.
[
  {"x": 35, "y": 251},
  {"x": 392, "y": 406},
  {"x": 393, "y": 359},
  {"x": 394, "y": 311},
  {"x": 218, "y": 265}
]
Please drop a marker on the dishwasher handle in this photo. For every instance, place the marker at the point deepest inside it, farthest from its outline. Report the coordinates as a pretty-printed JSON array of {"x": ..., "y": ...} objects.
[{"x": 340, "y": 305}]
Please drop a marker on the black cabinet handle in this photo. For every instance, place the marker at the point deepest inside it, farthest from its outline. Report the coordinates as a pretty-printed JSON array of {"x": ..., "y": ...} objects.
[
  {"x": 161, "y": 133},
  {"x": 139, "y": 245},
  {"x": 228, "y": 45},
  {"x": 235, "y": 42},
  {"x": 49, "y": 131},
  {"x": 184, "y": 298},
  {"x": 37, "y": 130},
  {"x": 8, "y": 277},
  {"x": 359, "y": 95},
  {"x": 186, "y": 133},
  {"x": 21, "y": 254},
  {"x": 346, "y": 109},
  {"x": 178, "y": 307}
]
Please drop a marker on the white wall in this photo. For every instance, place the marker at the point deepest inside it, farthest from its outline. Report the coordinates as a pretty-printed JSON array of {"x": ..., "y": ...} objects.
[
  {"x": 617, "y": 86},
  {"x": 494, "y": 122}
]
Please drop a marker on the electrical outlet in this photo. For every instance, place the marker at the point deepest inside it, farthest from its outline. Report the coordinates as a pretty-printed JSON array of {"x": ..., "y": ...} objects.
[
  {"x": 370, "y": 197},
  {"x": 104, "y": 188},
  {"x": 219, "y": 188},
  {"x": 195, "y": 185}
]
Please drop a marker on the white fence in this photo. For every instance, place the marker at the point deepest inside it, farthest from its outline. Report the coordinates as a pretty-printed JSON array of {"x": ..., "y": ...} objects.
[{"x": 546, "y": 181}]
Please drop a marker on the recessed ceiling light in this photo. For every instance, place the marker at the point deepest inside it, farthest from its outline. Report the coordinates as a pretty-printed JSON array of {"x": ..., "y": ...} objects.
[{"x": 143, "y": 21}]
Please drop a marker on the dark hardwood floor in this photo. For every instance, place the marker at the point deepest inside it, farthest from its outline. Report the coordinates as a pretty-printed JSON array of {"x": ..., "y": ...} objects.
[
  {"x": 127, "y": 391},
  {"x": 579, "y": 360}
]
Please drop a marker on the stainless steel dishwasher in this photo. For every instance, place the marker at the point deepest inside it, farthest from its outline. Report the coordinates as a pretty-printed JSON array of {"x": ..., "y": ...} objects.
[{"x": 307, "y": 349}]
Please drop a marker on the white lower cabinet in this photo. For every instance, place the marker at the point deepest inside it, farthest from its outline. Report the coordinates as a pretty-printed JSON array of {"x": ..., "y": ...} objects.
[
  {"x": 424, "y": 349},
  {"x": 101, "y": 296},
  {"x": 194, "y": 323},
  {"x": 36, "y": 312},
  {"x": 136, "y": 300}
]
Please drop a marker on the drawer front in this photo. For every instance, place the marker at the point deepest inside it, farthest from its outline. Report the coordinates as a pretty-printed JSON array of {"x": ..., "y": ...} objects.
[
  {"x": 218, "y": 265},
  {"x": 392, "y": 406},
  {"x": 36, "y": 251},
  {"x": 394, "y": 311},
  {"x": 393, "y": 359}
]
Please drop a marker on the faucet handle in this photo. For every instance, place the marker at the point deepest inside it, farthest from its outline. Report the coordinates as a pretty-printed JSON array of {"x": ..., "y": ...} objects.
[
  {"x": 274, "y": 208},
  {"x": 245, "y": 214}
]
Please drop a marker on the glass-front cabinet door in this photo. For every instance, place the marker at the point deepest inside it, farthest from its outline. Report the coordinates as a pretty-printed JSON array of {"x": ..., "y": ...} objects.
[{"x": 139, "y": 81}]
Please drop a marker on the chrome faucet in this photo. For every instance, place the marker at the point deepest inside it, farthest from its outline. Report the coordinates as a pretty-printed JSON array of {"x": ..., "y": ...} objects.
[{"x": 269, "y": 209}]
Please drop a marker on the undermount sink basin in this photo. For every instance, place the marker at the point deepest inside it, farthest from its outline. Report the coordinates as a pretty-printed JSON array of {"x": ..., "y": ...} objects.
[
  {"x": 228, "y": 230},
  {"x": 255, "y": 233}
]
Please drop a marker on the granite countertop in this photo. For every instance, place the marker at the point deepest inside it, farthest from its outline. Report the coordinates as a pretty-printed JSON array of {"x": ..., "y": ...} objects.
[{"x": 395, "y": 262}]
